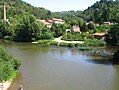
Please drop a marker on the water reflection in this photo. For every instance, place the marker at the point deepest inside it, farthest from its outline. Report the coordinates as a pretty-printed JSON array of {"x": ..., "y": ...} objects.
[{"x": 59, "y": 68}]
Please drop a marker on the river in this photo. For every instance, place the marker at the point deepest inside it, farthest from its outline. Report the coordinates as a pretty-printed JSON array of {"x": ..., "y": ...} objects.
[{"x": 61, "y": 68}]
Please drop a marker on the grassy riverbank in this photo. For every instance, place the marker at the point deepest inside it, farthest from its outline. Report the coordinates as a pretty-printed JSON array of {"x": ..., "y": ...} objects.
[
  {"x": 60, "y": 42},
  {"x": 9, "y": 67}
]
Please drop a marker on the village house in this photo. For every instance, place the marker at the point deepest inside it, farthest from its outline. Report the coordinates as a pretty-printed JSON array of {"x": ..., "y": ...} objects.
[
  {"x": 47, "y": 23},
  {"x": 76, "y": 29},
  {"x": 101, "y": 36},
  {"x": 58, "y": 21}
]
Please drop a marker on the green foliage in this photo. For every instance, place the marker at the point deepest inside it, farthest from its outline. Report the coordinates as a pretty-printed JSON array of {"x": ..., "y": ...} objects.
[
  {"x": 58, "y": 29},
  {"x": 77, "y": 36},
  {"x": 67, "y": 44},
  {"x": 28, "y": 29},
  {"x": 48, "y": 42},
  {"x": 54, "y": 43},
  {"x": 91, "y": 25},
  {"x": 69, "y": 14},
  {"x": 103, "y": 11},
  {"x": 46, "y": 33},
  {"x": 100, "y": 12},
  {"x": 102, "y": 28},
  {"x": 115, "y": 58},
  {"x": 114, "y": 35},
  {"x": 93, "y": 42},
  {"x": 8, "y": 65},
  {"x": 16, "y": 7},
  {"x": 7, "y": 38}
]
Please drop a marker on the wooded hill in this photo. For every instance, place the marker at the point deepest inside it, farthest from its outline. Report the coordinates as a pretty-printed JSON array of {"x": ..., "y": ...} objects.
[
  {"x": 16, "y": 7},
  {"x": 104, "y": 10}
]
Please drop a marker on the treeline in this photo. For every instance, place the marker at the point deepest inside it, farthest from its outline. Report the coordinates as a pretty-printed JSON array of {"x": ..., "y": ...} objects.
[
  {"x": 23, "y": 25},
  {"x": 24, "y": 28},
  {"x": 102, "y": 11},
  {"x": 114, "y": 40},
  {"x": 16, "y": 7}
]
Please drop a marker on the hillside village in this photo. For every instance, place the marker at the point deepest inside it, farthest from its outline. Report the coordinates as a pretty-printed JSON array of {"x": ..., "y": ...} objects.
[
  {"x": 76, "y": 28},
  {"x": 88, "y": 26},
  {"x": 49, "y": 23}
]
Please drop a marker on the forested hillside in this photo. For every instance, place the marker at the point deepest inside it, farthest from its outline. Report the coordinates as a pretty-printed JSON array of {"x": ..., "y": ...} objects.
[
  {"x": 22, "y": 24},
  {"x": 104, "y": 10},
  {"x": 16, "y": 7},
  {"x": 68, "y": 14}
]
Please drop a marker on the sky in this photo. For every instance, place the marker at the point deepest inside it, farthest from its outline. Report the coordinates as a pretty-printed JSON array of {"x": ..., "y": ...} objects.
[{"x": 62, "y": 5}]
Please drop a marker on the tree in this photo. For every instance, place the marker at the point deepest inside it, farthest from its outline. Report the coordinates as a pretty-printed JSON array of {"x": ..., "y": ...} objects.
[
  {"x": 91, "y": 25},
  {"x": 46, "y": 33},
  {"x": 84, "y": 28},
  {"x": 58, "y": 29},
  {"x": 106, "y": 15},
  {"x": 81, "y": 22},
  {"x": 96, "y": 15},
  {"x": 27, "y": 28},
  {"x": 114, "y": 35},
  {"x": 115, "y": 58}
]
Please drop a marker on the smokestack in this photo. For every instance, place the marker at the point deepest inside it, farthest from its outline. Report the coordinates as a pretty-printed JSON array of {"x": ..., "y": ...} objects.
[{"x": 4, "y": 13}]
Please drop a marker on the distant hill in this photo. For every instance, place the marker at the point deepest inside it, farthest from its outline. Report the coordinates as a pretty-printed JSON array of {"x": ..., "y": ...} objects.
[
  {"x": 68, "y": 14},
  {"x": 16, "y": 7},
  {"x": 104, "y": 10}
]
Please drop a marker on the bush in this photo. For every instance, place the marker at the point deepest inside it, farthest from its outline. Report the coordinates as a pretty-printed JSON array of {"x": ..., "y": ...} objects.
[
  {"x": 53, "y": 43},
  {"x": 67, "y": 44},
  {"x": 7, "y": 38},
  {"x": 93, "y": 42},
  {"x": 77, "y": 36},
  {"x": 44, "y": 42},
  {"x": 115, "y": 58},
  {"x": 8, "y": 65}
]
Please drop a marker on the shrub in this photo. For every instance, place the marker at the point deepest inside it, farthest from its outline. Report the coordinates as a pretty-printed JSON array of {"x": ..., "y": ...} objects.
[
  {"x": 8, "y": 65},
  {"x": 67, "y": 44},
  {"x": 93, "y": 42},
  {"x": 85, "y": 49},
  {"x": 77, "y": 36},
  {"x": 44, "y": 42},
  {"x": 53, "y": 43},
  {"x": 7, "y": 38}
]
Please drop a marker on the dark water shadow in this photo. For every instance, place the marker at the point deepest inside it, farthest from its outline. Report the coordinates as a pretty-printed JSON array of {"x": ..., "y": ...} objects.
[
  {"x": 115, "y": 63},
  {"x": 100, "y": 61}
]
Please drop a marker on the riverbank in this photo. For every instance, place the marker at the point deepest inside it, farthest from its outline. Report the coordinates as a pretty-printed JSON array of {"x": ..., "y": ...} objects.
[
  {"x": 58, "y": 40},
  {"x": 5, "y": 85}
]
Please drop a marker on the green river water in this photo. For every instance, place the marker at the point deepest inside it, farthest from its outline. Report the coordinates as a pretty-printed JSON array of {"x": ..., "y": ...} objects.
[{"x": 62, "y": 68}]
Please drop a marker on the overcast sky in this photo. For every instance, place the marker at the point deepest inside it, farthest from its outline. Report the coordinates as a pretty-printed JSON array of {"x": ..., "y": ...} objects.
[{"x": 62, "y": 5}]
